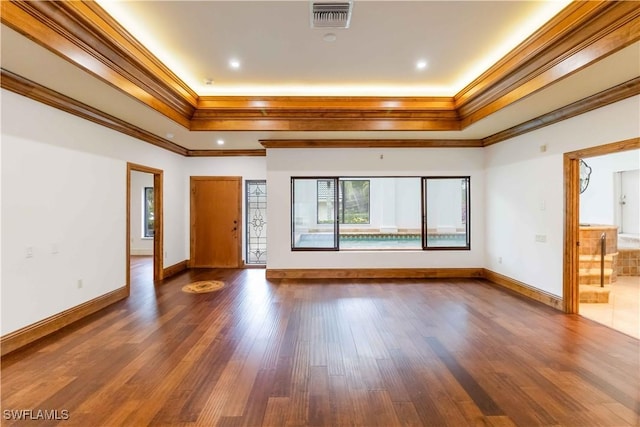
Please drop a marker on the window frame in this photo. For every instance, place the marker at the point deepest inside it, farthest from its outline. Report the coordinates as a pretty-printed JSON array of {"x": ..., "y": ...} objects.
[
  {"x": 336, "y": 240},
  {"x": 467, "y": 222},
  {"x": 337, "y": 212}
]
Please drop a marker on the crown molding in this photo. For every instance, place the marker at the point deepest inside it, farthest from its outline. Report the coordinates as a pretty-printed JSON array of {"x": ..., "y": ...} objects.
[
  {"x": 371, "y": 143},
  {"x": 37, "y": 92},
  {"x": 581, "y": 34},
  {"x": 84, "y": 34},
  {"x": 332, "y": 113},
  {"x": 227, "y": 153},
  {"x": 601, "y": 99},
  {"x": 30, "y": 89}
]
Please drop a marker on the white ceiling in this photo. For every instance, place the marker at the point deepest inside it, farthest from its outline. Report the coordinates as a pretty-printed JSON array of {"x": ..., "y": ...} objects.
[{"x": 279, "y": 52}]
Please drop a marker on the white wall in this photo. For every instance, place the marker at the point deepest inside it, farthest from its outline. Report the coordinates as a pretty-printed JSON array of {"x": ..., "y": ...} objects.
[
  {"x": 140, "y": 245},
  {"x": 524, "y": 192},
  {"x": 599, "y": 202},
  {"x": 282, "y": 164},
  {"x": 64, "y": 196}
]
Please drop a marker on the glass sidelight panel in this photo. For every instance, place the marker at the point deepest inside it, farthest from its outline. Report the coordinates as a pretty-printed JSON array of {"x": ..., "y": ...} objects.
[
  {"x": 256, "y": 220},
  {"x": 447, "y": 213},
  {"x": 149, "y": 221},
  {"x": 314, "y": 203}
]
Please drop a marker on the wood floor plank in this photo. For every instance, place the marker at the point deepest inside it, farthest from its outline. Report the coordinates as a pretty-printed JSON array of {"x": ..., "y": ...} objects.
[{"x": 326, "y": 353}]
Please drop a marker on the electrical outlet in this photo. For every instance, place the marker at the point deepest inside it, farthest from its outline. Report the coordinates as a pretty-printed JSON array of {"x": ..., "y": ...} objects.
[
  {"x": 79, "y": 283},
  {"x": 499, "y": 260},
  {"x": 29, "y": 252},
  {"x": 541, "y": 238}
]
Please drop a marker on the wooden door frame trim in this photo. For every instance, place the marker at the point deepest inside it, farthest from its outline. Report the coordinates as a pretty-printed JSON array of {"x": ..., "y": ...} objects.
[
  {"x": 571, "y": 163},
  {"x": 192, "y": 180},
  {"x": 158, "y": 227}
]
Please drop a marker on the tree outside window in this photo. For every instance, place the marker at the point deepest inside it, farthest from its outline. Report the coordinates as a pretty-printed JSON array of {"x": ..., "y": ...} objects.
[{"x": 354, "y": 201}]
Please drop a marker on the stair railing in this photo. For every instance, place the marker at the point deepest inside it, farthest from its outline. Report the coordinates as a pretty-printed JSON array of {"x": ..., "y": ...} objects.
[{"x": 603, "y": 249}]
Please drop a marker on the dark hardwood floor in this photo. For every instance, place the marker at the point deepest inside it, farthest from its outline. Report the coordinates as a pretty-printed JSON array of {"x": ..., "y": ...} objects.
[{"x": 326, "y": 353}]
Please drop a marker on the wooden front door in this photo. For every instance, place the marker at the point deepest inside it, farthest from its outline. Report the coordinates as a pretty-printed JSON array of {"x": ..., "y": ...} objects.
[{"x": 216, "y": 209}]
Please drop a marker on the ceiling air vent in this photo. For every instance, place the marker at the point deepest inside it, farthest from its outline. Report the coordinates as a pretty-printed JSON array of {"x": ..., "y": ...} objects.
[{"x": 325, "y": 14}]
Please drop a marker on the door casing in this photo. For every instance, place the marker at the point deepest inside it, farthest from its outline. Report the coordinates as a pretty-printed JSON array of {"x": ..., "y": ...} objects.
[
  {"x": 570, "y": 294},
  {"x": 158, "y": 228}
]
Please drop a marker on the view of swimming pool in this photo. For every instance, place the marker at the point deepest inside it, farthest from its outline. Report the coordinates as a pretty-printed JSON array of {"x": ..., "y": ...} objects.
[{"x": 380, "y": 241}]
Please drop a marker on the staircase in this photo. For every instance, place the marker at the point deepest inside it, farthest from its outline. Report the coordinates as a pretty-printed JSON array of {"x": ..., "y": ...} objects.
[
  {"x": 590, "y": 290},
  {"x": 589, "y": 268}
]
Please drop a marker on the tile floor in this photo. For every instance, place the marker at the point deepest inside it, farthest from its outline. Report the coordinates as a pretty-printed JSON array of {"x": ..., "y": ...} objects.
[{"x": 623, "y": 310}]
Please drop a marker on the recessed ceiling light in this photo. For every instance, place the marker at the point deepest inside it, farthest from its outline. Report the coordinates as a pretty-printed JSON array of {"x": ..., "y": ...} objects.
[
  {"x": 220, "y": 142},
  {"x": 329, "y": 37},
  {"x": 421, "y": 64},
  {"x": 234, "y": 63},
  {"x": 170, "y": 135}
]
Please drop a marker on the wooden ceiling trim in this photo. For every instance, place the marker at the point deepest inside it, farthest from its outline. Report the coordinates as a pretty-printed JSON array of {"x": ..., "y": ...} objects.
[
  {"x": 606, "y": 97},
  {"x": 32, "y": 90},
  {"x": 325, "y": 113},
  {"x": 83, "y": 34},
  {"x": 86, "y": 35},
  {"x": 324, "y": 124},
  {"x": 371, "y": 143},
  {"x": 570, "y": 65},
  {"x": 580, "y": 35},
  {"x": 259, "y": 152},
  {"x": 532, "y": 47},
  {"x": 321, "y": 103}
]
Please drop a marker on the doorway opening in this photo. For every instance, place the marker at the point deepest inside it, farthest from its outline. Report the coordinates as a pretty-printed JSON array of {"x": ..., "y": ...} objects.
[
  {"x": 601, "y": 279},
  {"x": 144, "y": 252}
]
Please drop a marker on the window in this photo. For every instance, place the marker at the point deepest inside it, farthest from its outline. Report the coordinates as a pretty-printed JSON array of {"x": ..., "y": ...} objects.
[
  {"x": 256, "y": 214},
  {"x": 447, "y": 213},
  {"x": 148, "y": 226},
  {"x": 313, "y": 213},
  {"x": 380, "y": 213}
]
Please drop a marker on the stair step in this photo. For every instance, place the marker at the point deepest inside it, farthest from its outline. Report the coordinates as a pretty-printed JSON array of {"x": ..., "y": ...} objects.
[
  {"x": 595, "y": 272},
  {"x": 594, "y": 294},
  {"x": 591, "y": 276},
  {"x": 596, "y": 257},
  {"x": 593, "y": 261}
]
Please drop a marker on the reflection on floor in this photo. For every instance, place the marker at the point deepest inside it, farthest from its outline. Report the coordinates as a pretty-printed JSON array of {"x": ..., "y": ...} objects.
[{"x": 623, "y": 310}]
